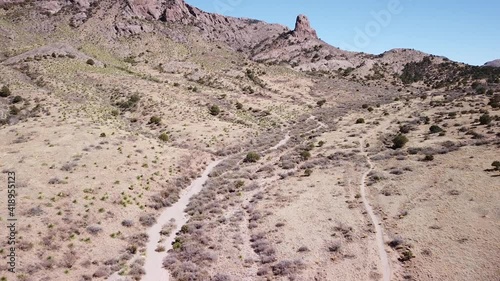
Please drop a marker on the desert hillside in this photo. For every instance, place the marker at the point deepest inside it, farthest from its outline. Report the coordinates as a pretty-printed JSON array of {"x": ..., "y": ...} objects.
[{"x": 151, "y": 140}]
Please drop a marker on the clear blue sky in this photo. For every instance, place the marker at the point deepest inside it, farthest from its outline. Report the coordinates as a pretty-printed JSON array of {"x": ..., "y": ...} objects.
[{"x": 462, "y": 30}]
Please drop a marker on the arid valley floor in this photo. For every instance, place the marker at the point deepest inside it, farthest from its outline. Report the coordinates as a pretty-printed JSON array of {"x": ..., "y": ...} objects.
[{"x": 315, "y": 163}]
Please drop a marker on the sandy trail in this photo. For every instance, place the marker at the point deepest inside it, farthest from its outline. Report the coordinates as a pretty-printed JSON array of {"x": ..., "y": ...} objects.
[
  {"x": 379, "y": 232},
  {"x": 282, "y": 142},
  {"x": 384, "y": 260},
  {"x": 153, "y": 265}
]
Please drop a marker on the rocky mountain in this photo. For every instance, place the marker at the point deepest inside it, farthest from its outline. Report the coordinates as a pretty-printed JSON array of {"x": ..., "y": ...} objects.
[
  {"x": 300, "y": 48},
  {"x": 493, "y": 63}
]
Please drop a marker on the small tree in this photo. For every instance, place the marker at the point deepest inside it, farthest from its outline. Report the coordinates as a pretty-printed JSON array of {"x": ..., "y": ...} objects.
[
  {"x": 252, "y": 157},
  {"x": 399, "y": 141},
  {"x": 320, "y": 103},
  {"x": 485, "y": 119},
  {"x": 214, "y": 110},
  {"x": 5, "y": 91}
]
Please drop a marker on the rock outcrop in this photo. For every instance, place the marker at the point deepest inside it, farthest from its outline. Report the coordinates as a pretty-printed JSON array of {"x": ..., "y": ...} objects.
[{"x": 303, "y": 28}]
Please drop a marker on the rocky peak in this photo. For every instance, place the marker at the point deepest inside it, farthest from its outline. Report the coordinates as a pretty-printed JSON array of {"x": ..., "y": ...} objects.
[{"x": 303, "y": 28}]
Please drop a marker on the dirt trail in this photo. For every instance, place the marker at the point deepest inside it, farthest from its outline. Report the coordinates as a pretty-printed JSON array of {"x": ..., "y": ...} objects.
[
  {"x": 379, "y": 232},
  {"x": 384, "y": 260},
  {"x": 153, "y": 265}
]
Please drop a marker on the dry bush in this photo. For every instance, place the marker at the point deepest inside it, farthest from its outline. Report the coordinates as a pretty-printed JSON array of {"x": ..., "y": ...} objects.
[
  {"x": 287, "y": 268},
  {"x": 68, "y": 167},
  {"x": 127, "y": 223},
  {"x": 221, "y": 277},
  {"x": 101, "y": 272},
  {"x": 147, "y": 220},
  {"x": 263, "y": 248},
  {"x": 94, "y": 229},
  {"x": 69, "y": 259}
]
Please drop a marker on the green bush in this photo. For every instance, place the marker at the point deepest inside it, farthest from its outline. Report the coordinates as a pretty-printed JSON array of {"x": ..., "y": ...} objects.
[
  {"x": 305, "y": 155},
  {"x": 308, "y": 172},
  {"x": 485, "y": 119},
  {"x": 429, "y": 158},
  {"x": 14, "y": 110},
  {"x": 17, "y": 99},
  {"x": 360, "y": 121},
  {"x": 214, "y": 110},
  {"x": 155, "y": 120},
  {"x": 399, "y": 141},
  {"x": 5, "y": 91},
  {"x": 164, "y": 137},
  {"x": 496, "y": 164},
  {"x": 434, "y": 129},
  {"x": 252, "y": 157}
]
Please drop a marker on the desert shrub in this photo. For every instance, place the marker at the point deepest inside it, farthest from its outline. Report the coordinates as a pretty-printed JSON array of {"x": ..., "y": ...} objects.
[
  {"x": 287, "y": 268},
  {"x": 485, "y": 119},
  {"x": 55, "y": 181},
  {"x": 13, "y": 110},
  {"x": 221, "y": 277},
  {"x": 90, "y": 62},
  {"x": 102, "y": 135},
  {"x": 495, "y": 101},
  {"x": 320, "y": 103},
  {"x": 164, "y": 137},
  {"x": 428, "y": 158},
  {"x": 214, "y": 110},
  {"x": 5, "y": 91},
  {"x": 405, "y": 129},
  {"x": 399, "y": 141},
  {"x": 17, "y": 99},
  {"x": 308, "y": 172},
  {"x": 334, "y": 247},
  {"x": 364, "y": 106},
  {"x": 239, "y": 105},
  {"x": 406, "y": 255},
  {"x": 396, "y": 242},
  {"x": 321, "y": 143},
  {"x": 94, "y": 229},
  {"x": 155, "y": 120},
  {"x": 305, "y": 155},
  {"x": 303, "y": 249},
  {"x": 434, "y": 129},
  {"x": 68, "y": 167},
  {"x": 147, "y": 220},
  {"x": 127, "y": 223},
  {"x": 370, "y": 109},
  {"x": 496, "y": 165},
  {"x": 360, "y": 121},
  {"x": 252, "y": 157}
]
